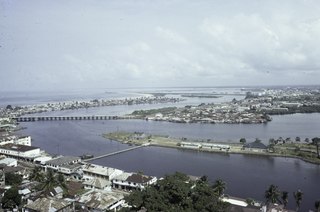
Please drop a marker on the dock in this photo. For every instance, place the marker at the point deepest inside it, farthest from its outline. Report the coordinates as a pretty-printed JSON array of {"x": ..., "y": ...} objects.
[{"x": 115, "y": 153}]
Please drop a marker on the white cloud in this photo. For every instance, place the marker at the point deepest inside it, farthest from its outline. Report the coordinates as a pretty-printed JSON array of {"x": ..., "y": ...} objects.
[
  {"x": 176, "y": 42},
  {"x": 170, "y": 35}
]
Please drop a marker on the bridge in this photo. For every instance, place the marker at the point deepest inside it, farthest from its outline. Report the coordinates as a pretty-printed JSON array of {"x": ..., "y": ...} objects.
[
  {"x": 115, "y": 153},
  {"x": 67, "y": 118}
]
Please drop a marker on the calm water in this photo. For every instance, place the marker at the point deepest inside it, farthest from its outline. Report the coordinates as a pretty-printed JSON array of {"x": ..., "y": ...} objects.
[{"x": 246, "y": 176}]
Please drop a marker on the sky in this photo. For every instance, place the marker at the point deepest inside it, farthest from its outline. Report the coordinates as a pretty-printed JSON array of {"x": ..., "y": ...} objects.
[{"x": 59, "y": 44}]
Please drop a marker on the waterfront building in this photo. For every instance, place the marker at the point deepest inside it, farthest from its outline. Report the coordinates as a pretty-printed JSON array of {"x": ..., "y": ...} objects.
[
  {"x": 20, "y": 151},
  {"x": 95, "y": 171},
  {"x": 255, "y": 147},
  {"x": 133, "y": 181},
  {"x": 22, "y": 140},
  {"x": 59, "y": 162}
]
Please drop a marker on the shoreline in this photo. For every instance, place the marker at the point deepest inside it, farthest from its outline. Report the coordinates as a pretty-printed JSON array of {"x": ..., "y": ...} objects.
[{"x": 166, "y": 142}]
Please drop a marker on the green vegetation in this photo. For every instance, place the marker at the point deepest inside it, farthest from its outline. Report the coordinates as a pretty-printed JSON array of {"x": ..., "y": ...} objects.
[
  {"x": 13, "y": 179},
  {"x": 177, "y": 193},
  {"x": 144, "y": 113},
  {"x": 298, "y": 198},
  {"x": 11, "y": 199},
  {"x": 272, "y": 194}
]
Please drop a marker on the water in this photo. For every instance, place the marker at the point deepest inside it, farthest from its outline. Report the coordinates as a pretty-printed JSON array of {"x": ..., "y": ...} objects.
[{"x": 246, "y": 176}]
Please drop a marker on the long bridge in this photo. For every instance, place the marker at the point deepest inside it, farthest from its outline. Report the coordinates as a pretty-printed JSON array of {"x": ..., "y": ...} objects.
[
  {"x": 68, "y": 118},
  {"x": 115, "y": 153}
]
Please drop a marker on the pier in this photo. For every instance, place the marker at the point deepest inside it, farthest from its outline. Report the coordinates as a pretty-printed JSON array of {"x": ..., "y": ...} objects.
[
  {"x": 67, "y": 118},
  {"x": 115, "y": 153}
]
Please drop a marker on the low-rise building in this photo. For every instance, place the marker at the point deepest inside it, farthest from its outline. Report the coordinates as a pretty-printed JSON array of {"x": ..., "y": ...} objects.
[
  {"x": 20, "y": 151},
  {"x": 49, "y": 204},
  {"x": 101, "y": 201},
  {"x": 255, "y": 147},
  {"x": 9, "y": 162},
  {"x": 96, "y": 171},
  {"x": 133, "y": 181},
  {"x": 97, "y": 183},
  {"x": 59, "y": 162}
]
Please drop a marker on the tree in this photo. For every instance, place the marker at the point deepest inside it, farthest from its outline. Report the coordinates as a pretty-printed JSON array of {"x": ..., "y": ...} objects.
[
  {"x": 298, "y": 139},
  {"x": 272, "y": 194},
  {"x": 37, "y": 175},
  {"x": 61, "y": 181},
  {"x": 316, "y": 142},
  {"x": 298, "y": 197},
  {"x": 219, "y": 186},
  {"x": 9, "y": 107},
  {"x": 243, "y": 140},
  {"x": 13, "y": 179},
  {"x": 50, "y": 181},
  {"x": 317, "y": 205},
  {"x": 176, "y": 193},
  {"x": 11, "y": 198},
  {"x": 284, "y": 197}
]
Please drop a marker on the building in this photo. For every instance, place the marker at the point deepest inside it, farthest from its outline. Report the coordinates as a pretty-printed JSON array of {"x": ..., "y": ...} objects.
[
  {"x": 9, "y": 162},
  {"x": 20, "y": 151},
  {"x": 22, "y": 140},
  {"x": 95, "y": 171},
  {"x": 68, "y": 169},
  {"x": 49, "y": 204},
  {"x": 101, "y": 201},
  {"x": 255, "y": 146},
  {"x": 97, "y": 183},
  {"x": 133, "y": 181},
  {"x": 58, "y": 163}
]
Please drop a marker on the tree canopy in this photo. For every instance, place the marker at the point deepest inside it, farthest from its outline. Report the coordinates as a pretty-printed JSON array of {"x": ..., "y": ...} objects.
[{"x": 177, "y": 193}]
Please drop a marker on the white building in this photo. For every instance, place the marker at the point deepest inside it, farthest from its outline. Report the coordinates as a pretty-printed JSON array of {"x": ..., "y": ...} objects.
[
  {"x": 95, "y": 171},
  {"x": 20, "y": 151},
  {"x": 9, "y": 162},
  {"x": 57, "y": 163},
  {"x": 22, "y": 140},
  {"x": 133, "y": 181}
]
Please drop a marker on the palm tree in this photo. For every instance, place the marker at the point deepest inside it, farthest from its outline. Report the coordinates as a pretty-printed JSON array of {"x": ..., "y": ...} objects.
[
  {"x": 37, "y": 174},
  {"x": 219, "y": 186},
  {"x": 272, "y": 194},
  {"x": 284, "y": 197},
  {"x": 317, "y": 205},
  {"x": 298, "y": 197},
  {"x": 50, "y": 181}
]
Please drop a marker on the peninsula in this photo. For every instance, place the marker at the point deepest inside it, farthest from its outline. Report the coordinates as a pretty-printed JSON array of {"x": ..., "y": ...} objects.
[{"x": 306, "y": 151}]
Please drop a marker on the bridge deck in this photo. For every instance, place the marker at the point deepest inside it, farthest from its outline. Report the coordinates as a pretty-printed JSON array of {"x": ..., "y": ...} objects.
[{"x": 115, "y": 153}]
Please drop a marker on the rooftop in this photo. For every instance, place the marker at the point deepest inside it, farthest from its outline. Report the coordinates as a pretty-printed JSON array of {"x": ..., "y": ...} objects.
[
  {"x": 18, "y": 147},
  {"x": 101, "y": 170},
  {"x": 256, "y": 145},
  {"x": 46, "y": 204},
  {"x": 138, "y": 178},
  {"x": 62, "y": 160}
]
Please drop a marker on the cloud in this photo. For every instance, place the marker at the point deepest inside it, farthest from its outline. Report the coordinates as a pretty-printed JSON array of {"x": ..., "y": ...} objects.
[
  {"x": 157, "y": 43},
  {"x": 170, "y": 35}
]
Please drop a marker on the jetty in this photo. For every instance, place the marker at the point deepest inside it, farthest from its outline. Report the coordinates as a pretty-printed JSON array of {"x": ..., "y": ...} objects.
[{"x": 117, "y": 152}]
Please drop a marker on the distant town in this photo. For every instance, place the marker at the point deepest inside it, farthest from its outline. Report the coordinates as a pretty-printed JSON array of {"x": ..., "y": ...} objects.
[{"x": 254, "y": 108}]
